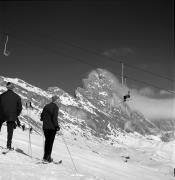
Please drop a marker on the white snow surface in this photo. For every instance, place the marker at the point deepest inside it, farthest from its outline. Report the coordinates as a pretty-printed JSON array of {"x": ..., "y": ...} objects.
[
  {"x": 27, "y": 86},
  {"x": 66, "y": 99},
  {"x": 2, "y": 88},
  {"x": 94, "y": 161}
]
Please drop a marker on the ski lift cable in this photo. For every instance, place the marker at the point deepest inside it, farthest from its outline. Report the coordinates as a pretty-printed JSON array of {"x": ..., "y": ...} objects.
[
  {"x": 157, "y": 87},
  {"x": 51, "y": 50},
  {"x": 88, "y": 50},
  {"x": 83, "y": 62},
  {"x": 95, "y": 52}
]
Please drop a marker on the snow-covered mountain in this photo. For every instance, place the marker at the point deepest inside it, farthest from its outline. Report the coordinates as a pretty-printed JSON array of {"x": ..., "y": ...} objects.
[
  {"x": 94, "y": 111},
  {"x": 96, "y": 122}
]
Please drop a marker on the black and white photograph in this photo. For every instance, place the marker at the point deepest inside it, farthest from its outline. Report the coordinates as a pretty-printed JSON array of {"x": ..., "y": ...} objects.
[{"x": 87, "y": 90}]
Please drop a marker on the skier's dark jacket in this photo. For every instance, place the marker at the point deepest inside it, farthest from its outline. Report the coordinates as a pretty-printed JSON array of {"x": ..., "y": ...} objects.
[
  {"x": 49, "y": 116},
  {"x": 10, "y": 106}
]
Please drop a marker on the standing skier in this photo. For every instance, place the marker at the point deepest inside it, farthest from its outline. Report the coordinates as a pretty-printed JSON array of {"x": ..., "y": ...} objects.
[
  {"x": 10, "y": 109},
  {"x": 49, "y": 116}
]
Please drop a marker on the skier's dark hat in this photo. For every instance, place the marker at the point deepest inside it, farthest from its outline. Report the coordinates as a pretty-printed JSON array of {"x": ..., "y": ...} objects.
[
  {"x": 10, "y": 86},
  {"x": 54, "y": 98}
]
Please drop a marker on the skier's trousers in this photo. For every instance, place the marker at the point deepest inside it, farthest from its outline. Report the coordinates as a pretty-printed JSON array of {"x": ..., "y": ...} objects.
[
  {"x": 49, "y": 139},
  {"x": 10, "y": 127}
]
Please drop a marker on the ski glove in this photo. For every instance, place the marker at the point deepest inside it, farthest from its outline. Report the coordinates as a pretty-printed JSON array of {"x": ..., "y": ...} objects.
[
  {"x": 18, "y": 123},
  {"x": 57, "y": 128}
]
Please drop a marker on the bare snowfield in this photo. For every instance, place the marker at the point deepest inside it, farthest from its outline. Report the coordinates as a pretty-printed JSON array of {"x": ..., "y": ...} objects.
[{"x": 93, "y": 161}]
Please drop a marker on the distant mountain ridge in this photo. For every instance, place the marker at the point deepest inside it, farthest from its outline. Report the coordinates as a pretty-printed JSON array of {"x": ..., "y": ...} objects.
[{"x": 90, "y": 112}]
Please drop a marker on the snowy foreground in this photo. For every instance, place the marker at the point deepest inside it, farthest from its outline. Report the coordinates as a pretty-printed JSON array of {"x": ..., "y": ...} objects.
[{"x": 93, "y": 161}]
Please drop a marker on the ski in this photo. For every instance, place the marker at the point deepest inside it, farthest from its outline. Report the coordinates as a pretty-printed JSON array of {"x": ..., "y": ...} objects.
[
  {"x": 7, "y": 150},
  {"x": 58, "y": 162},
  {"x": 53, "y": 162},
  {"x": 2, "y": 147}
]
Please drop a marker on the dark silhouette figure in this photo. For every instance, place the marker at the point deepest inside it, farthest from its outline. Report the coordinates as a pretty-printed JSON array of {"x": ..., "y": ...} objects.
[
  {"x": 30, "y": 129},
  {"x": 127, "y": 96},
  {"x": 10, "y": 109},
  {"x": 49, "y": 116},
  {"x": 29, "y": 105},
  {"x": 23, "y": 127}
]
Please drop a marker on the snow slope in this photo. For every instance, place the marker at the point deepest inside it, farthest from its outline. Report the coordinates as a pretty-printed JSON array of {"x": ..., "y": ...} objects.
[
  {"x": 100, "y": 149},
  {"x": 94, "y": 161}
]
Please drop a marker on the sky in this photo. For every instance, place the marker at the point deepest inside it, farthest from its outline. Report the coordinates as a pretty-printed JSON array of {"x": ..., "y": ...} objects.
[{"x": 43, "y": 37}]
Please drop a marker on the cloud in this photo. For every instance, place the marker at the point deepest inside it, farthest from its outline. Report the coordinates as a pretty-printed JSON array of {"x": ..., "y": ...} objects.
[
  {"x": 146, "y": 91},
  {"x": 141, "y": 99},
  {"x": 164, "y": 92},
  {"x": 119, "y": 52},
  {"x": 153, "y": 108}
]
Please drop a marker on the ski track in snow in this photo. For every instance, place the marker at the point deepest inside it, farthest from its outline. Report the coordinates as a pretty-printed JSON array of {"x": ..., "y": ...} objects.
[{"x": 97, "y": 162}]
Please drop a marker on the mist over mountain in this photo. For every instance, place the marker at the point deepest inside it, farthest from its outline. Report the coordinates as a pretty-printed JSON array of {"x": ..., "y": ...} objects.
[{"x": 96, "y": 110}]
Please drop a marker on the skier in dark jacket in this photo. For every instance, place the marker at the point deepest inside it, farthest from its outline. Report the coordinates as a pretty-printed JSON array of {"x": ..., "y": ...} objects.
[
  {"x": 49, "y": 116},
  {"x": 10, "y": 109}
]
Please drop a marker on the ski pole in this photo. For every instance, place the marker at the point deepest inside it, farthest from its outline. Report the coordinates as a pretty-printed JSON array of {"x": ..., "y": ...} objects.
[
  {"x": 29, "y": 108},
  {"x": 43, "y": 143},
  {"x": 30, "y": 146},
  {"x": 69, "y": 154}
]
